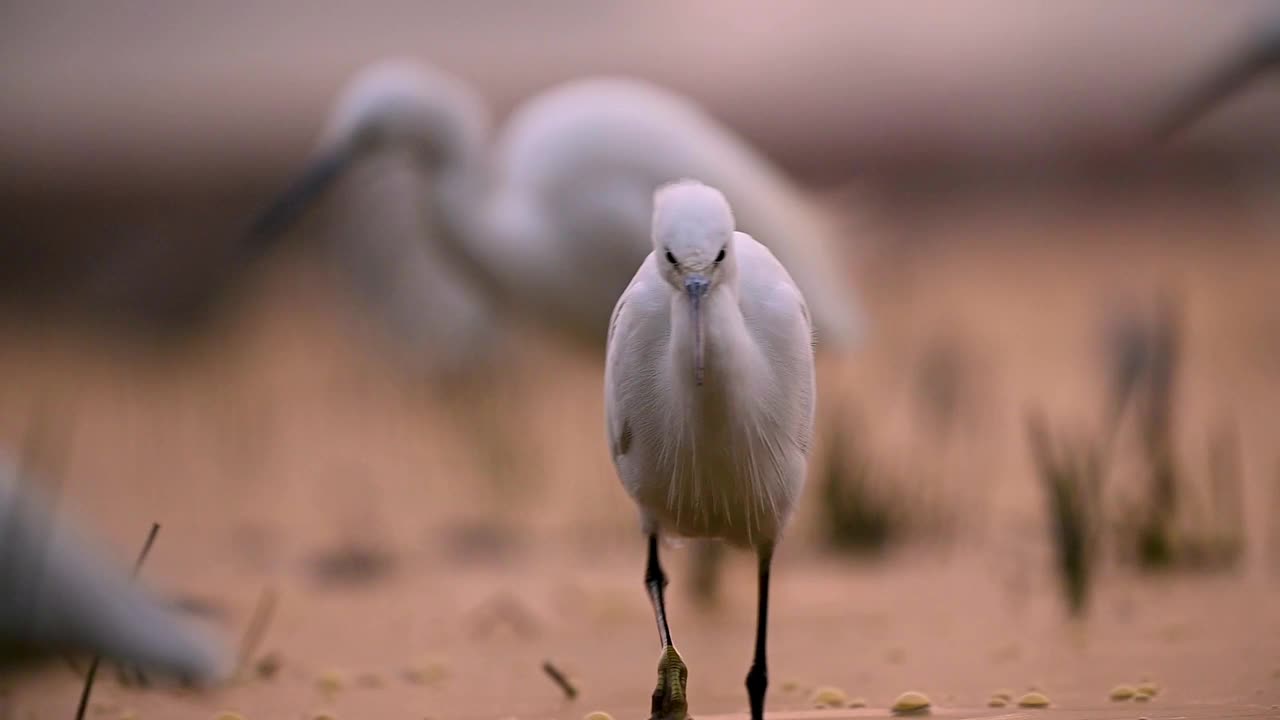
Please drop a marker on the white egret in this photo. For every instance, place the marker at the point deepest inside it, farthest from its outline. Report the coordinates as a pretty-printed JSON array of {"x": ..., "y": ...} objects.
[
  {"x": 551, "y": 219},
  {"x": 57, "y": 594},
  {"x": 1259, "y": 52},
  {"x": 709, "y": 397}
]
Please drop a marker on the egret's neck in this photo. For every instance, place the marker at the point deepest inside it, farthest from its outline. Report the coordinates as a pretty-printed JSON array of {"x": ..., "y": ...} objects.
[
  {"x": 458, "y": 195},
  {"x": 503, "y": 239},
  {"x": 460, "y": 199},
  {"x": 729, "y": 354}
]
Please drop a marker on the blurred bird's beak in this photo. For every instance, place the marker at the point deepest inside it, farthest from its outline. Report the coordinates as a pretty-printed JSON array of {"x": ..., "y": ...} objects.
[
  {"x": 289, "y": 206},
  {"x": 697, "y": 286},
  {"x": 1261, "y": 54}
]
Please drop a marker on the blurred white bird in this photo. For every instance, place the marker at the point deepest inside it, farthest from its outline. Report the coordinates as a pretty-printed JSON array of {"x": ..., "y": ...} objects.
[
  {"x": 57, "y": 594},
  {"x": 1256, "y": 53},
  {"x": 709, "y": 399},
  {"x": 552, "y": 218}
]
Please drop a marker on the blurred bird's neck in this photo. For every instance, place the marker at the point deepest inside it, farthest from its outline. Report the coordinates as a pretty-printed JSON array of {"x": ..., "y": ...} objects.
[{"x": 461, "y": 198}]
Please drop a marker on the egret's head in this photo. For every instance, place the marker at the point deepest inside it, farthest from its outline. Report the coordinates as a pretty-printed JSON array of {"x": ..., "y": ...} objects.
[
  {"x": 403, "y": 104},
  {"x": 692, "y": 232},
  {"x": 693, "y": 246},
  {"x": 391, "y": 104}
]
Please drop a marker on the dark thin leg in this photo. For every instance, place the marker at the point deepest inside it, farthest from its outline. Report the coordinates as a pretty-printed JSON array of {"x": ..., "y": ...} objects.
[
  {"x": 669, "y": 701},
  {"x": 758, "y": 676},
  {"x": 656, "y": 582}
]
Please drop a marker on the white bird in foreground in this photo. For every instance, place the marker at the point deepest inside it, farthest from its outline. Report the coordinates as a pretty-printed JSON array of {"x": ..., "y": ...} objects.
[
  {"x": 1259, "y": 52},
  {"x": 709, "y": 400},
  {"x": 58, "y": 594},
  {"x": 551, "y": 219}
]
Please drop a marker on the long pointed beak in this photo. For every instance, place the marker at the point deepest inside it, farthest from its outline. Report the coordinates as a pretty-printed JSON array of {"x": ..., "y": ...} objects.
[
  {"x": 697, "y": 287},
  {"x": 290, "y": 205},
  {"x": 1261, "y": 54}
]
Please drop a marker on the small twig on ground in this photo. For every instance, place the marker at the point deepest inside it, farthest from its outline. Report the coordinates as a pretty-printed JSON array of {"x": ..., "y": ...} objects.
[
  {"x": 560, "y": 679},
  {"x": 93, "y": 666},
  {"x": 257, "y": 628}
]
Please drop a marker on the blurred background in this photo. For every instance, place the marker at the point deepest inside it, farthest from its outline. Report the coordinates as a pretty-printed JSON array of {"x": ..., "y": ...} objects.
[{"x": 1064, "y": 407}]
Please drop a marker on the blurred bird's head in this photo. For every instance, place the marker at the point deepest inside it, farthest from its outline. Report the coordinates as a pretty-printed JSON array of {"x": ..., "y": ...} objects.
[
  {"x": 394, "y": 104},
  {"x": 693, "y": 230},
  {"x": 403, "y": 104}
]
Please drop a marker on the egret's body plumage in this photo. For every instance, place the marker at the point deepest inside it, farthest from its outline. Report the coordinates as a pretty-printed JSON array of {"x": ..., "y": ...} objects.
[
  {"x": 552, "y": 217},
  {"x": 709, "y": 398},
  {"x": 725, "y": 460}
]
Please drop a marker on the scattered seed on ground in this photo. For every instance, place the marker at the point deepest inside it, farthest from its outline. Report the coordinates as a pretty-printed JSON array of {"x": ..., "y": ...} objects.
[
  {"x": 857, "y": 702},
  {"x": 911, "y": 702},
  {"x": 1148, "y": 687},
  {"x": 428, "y": 672},
  {"x": 598, "y": 715},
  {"x": 1034, "y": 700},
  {"x": 1122, "y": 692},
  {"x": 329, "y": 682},
  {"x": 829, "y": 697}
]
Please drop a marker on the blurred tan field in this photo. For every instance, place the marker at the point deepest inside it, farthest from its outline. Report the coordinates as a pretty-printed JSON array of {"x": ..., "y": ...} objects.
[
  {"x": 425, "y": 566},
  {"x": 288, "y": 438}
]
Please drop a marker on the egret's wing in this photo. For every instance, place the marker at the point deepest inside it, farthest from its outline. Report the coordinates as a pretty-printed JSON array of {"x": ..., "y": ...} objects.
[
  {"x": 778, "y": 318},
  {"x": 806, "y": 390},
  {"x": 613, "y": 319},
  {"x": 616, "y": 423},
  {"x": 808, "y": 319}
]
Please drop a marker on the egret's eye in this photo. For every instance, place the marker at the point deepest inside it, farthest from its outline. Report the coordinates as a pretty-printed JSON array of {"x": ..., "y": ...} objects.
[
  {"x": 720, "y": 256},
  {"x": 671, "y": 258}
]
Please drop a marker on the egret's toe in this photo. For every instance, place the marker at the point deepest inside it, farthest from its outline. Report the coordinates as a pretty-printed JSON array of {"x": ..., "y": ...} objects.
[{"x": 669, "y": 702}]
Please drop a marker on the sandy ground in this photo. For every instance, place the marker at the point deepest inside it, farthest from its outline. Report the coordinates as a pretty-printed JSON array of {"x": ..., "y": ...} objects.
[{"x": 291, "y": 437}]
